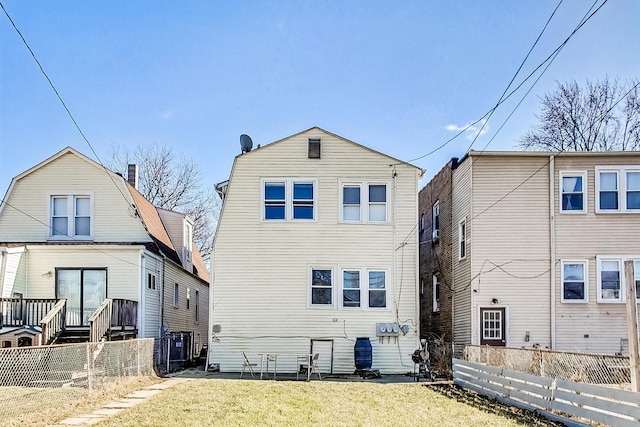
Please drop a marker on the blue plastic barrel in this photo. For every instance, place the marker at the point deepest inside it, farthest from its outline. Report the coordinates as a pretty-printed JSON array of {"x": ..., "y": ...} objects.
[{"x": 362, "y": 353}]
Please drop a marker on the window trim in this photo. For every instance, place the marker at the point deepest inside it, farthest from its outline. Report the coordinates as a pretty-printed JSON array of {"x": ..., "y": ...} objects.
[
  {"x": 364, "y": 200},
  {"x": 176, "y": 295},
  {"x": 288, "y": 198},
  {"x": 71, "y": 197},
  {"x": 585, "y": 272},
  {"x": 623, "y": 288},
  {"x": 621, "y": 173},
  {"x": 197, "y": 307},
  {"x": 152, "y": 281},
  {"x": 387, "y": 301},
  {"x": 317, "y": 141},
  {"x": 567, "y": 174},
  {"x": 462, "y": 239},
  {"x": 310, "y": 270}
]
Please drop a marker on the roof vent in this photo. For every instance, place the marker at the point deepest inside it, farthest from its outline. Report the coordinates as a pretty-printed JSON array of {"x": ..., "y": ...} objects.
[
  {"x": 246, "y": 144},
  {"x": 314, "y": 148}
]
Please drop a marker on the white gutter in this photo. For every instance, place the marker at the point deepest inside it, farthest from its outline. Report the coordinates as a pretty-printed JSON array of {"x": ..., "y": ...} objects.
[{"x": 552, "y": 249}]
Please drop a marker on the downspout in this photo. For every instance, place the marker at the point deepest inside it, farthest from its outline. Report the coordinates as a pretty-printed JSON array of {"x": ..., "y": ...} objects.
[{"x": 552, "y": 250}]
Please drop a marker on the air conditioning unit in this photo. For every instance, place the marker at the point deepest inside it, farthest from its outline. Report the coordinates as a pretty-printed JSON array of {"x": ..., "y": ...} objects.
[{"x": 436, "y": 235}]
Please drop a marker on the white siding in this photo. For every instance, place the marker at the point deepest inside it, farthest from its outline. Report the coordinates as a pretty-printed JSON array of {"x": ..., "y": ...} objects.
[
  {"x": 122, "y": 264},
  {"x": 181, "y": 319},
  {"x": 261, "y": 271},
  {"x": 113, "y": 220},
  {"x": 15, "y": 267},
  {"x": 592, "y": 326},
  {"x": 151, "y": 299},
  {"x": 510, "y": 245},
  {"x": 461, "y": 208}
]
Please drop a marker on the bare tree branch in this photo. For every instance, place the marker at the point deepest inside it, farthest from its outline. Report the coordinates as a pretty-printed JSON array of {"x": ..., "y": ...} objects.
[{"x": 589, "y": 118}]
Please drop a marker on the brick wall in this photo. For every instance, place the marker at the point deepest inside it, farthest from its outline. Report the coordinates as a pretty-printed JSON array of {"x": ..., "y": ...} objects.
[{"x": 435, "y": 255}]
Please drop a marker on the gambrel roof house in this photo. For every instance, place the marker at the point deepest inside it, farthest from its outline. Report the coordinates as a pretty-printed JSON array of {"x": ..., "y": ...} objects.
[
  {"x": 78, "y": 241},
  {"x": 316, "y": 247},
  {"x": 537, "y": 245}
]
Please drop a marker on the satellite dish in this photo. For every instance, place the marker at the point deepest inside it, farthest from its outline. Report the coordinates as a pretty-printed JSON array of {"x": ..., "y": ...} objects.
[{"x": 246, "y": 144}]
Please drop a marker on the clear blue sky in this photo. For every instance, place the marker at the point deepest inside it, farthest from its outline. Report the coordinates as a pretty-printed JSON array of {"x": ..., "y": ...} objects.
[{"x": 396, "y": 76}]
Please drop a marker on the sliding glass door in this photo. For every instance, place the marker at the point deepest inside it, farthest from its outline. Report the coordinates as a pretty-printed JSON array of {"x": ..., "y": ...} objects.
[{"x": 84, "y": 289}]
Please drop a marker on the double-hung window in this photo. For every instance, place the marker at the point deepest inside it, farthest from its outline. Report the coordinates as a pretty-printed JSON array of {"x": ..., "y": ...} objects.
[
  {"x": 574, "y": 281},
  {"x": 364, "y": 201},
  {"x": 71, "y": 217},
  {"x": 611, "y": 278},
  {"x": 573, "y": 191},
  {"x": 377, "y": 289},
  {"x": 321, "y": 287},
  {"x": 618, "y": 189},
  {"x": 435, "y": 221},
  {"x": 289, "y": 199},
  {"x": 351, "y": 292}
]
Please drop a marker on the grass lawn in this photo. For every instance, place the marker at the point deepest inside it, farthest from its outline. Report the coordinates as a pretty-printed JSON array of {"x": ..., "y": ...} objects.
[{"x": 262, "y": 403}]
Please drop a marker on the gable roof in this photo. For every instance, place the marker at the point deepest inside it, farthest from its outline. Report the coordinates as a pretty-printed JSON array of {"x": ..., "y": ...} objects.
[
  {"x": 156, "y": 229},
  {"x": 392, "y": 159}
]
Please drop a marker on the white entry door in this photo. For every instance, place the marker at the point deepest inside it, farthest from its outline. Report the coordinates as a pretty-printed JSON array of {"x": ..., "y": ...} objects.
[{"x": 325, "y": 348}]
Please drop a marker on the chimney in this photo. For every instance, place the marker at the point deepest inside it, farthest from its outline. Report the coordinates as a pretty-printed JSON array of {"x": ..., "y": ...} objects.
[{"x": 132, "y": 175}]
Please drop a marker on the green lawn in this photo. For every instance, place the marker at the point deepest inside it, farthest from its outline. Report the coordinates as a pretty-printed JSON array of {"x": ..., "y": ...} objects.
[{"x": 267, "y": 403}]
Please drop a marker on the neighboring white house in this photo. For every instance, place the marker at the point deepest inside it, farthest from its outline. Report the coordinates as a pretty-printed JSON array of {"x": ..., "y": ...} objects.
[
  {"x": 72, "y": 230},
  {"x": 315, "y": 247},
  {"x": 539, "y": 241}
]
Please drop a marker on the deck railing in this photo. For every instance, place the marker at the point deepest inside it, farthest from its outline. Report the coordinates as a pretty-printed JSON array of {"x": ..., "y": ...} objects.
[
  {"x": 100, "y": 320},
  {"x": 24, "y": 311},
  {"x": 54, "y": 322},
  {"x": 124, "y": 315}
]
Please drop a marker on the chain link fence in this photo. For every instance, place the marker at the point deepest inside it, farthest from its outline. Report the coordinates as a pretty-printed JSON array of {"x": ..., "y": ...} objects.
[
  {"x": 33, "y": 377},
  {"x": 577, "y": 367}
]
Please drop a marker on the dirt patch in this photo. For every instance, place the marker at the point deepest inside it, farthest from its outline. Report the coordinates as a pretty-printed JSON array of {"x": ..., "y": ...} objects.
[{"x": 492, "y": 406}]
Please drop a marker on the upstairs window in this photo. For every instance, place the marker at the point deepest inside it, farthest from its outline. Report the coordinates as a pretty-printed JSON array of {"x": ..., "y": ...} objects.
[
  {"x": 462, "y": 239},
  {"x": 313, "y": 151},
  {"x": 289, "y": 199},
  {"x": 435, "y": 220},
  {"x": 572, "y": 190},
  {"x": 197, "y": 311},
  {"x": 574, "y": 281},
  {"x": 71, "y": 217},
  {"x": 618, "y": 189},
  {"x": 176, "y": 295},
  {"x": 151, "y": 281},
  {"x": 364, "y": 202}
]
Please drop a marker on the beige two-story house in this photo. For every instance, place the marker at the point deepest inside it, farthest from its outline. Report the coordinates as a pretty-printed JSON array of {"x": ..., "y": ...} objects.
[
  {"x": 316, "y": 246},
  {"x": 538, "y": 244}
]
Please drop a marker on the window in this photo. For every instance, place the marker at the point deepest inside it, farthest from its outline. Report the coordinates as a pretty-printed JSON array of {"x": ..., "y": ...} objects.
[
  {"x": 188, "y": 298},
  {"x": 151, "y": 281},
  {"x": 618, "y": 189},
  {"x": 435, "y": 213},
  {"x": 274, "y": 200},
  {"x": 321, "y": 287},
  {"x": 71, "y": 217},
  {"x": 197, "y": 318},
  {"x": 423, "y": 223},
  {"x": 364, "y": 201},
  {"x": 289, "y": 199},
  {"x": 611, "y": 278},
  {"x": 351, "y": 288},
  {"x": 572, "y": 190},
  {"x": 574, "y": 281},
  {"x": 351, "y": 203},
  {"x": 6, "y": 344},
  {"x": 462, "y": 239},
  {"x": 436, "y": 294},
  {"x": 313, "y": 148},
  {"x": 176, "y": 295},
  {"x": 377, "y": 289}
]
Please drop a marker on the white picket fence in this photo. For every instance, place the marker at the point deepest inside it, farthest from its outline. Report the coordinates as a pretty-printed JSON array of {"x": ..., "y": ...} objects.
[{"x": 550, "y": 396}]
